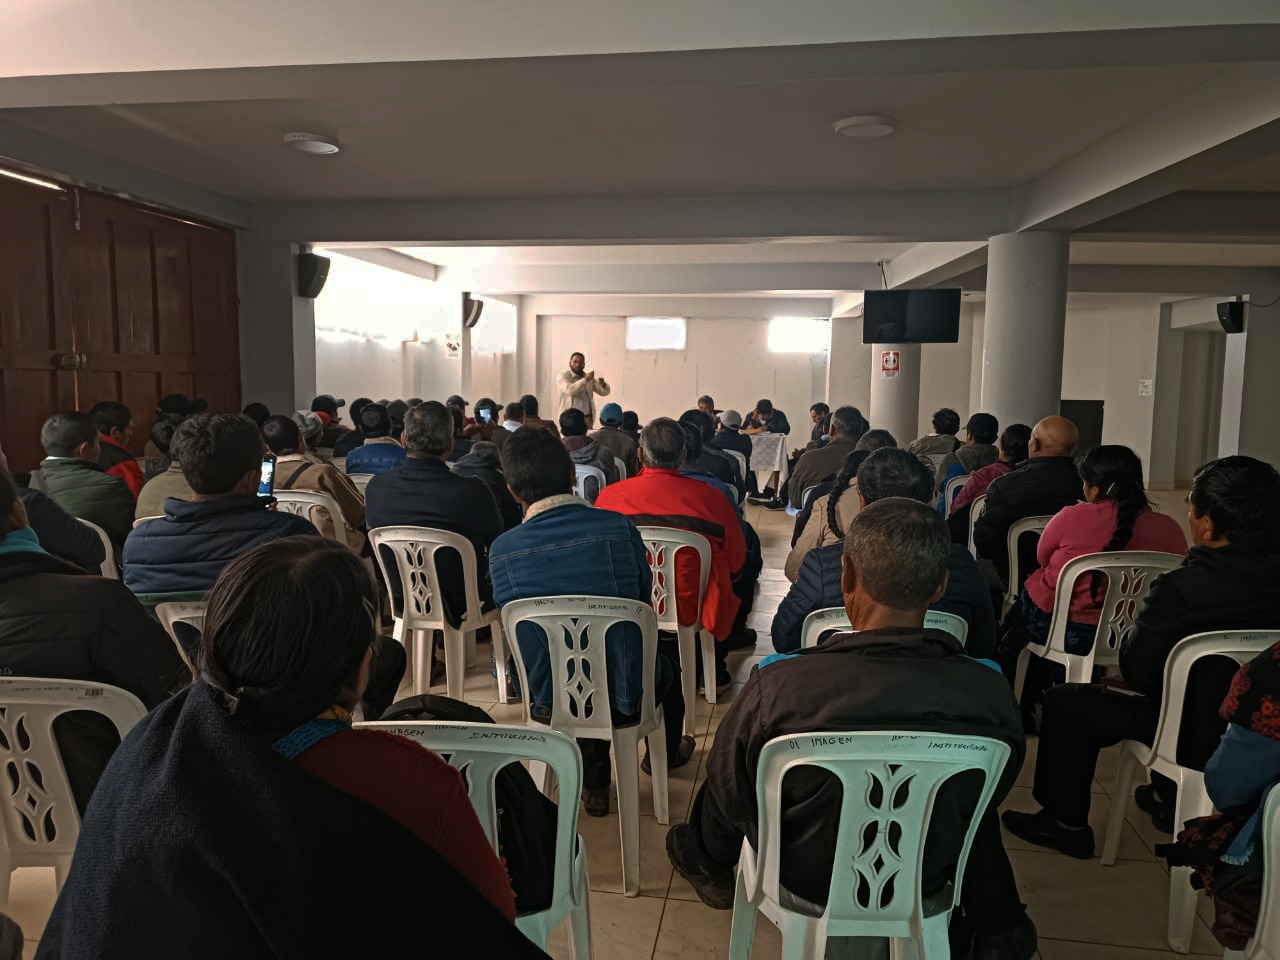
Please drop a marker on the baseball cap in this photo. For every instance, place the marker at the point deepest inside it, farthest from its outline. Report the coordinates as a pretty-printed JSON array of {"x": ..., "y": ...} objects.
[
  {"x": 611, "y": 413},
  {"x": 310, "y": 424},
  {"x": 328, "y": 403},
  {"x": 456, "y": 401},
  {"x": 731, "y": 418}
]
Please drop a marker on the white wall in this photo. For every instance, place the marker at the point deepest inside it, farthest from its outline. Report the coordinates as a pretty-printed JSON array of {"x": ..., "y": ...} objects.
[{"x": 945, "y": 372}]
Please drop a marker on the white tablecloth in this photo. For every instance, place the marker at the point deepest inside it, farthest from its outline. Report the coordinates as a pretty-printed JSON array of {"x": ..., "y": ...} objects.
[{"x": 769, "y": 453}]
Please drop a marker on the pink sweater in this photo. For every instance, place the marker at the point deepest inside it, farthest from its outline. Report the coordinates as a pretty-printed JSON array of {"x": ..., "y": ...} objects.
[{"x": 1088, "y": 528}]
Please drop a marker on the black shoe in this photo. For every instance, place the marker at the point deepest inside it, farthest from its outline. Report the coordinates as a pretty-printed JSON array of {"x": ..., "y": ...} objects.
[
  {"x": 1016, "y": 944},
  {"x": 1043, "y": 830},
  {"x": 715, "y": 890},
  {"x": 741, "y": 639},
  {"x": 774, "y": 504},
  {"x": 763, "y": 497},
  {"x": 674, "y": 761},
  {"x": 595, "y": 801},
  {"x": 1151, "y": 803},
  {"x": 723, "y": 681}
]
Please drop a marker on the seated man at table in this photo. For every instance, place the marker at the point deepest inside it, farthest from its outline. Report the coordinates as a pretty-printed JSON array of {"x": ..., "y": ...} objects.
[
  {"x": 890, "y": 673},
  {"x": 766, "y": 419},
  {"x": 566, "y": 547}
]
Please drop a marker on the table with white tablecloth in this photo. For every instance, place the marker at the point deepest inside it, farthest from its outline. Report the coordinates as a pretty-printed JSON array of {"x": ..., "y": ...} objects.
[{"x": 769, "y": 455}]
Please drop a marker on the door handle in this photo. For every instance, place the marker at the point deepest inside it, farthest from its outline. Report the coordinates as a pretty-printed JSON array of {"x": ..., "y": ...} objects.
[{"x": 72, "y": 361}]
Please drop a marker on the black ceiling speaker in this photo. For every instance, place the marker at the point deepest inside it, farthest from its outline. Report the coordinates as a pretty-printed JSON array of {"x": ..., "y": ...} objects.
[
  {"x": 471, "y": 310},
  {"x": 313, "y": 271},
  {"x": 1231, "y": 315}
]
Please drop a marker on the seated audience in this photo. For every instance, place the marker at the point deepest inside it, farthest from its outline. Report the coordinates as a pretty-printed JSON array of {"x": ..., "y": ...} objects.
[
  {"x": 766, "y": 419},
  {"x": 707, "y": 404},
  {"x": 889, "y": 674},
  {"x": 631, "y": 425},
  {"x": 1116, "y": 515},
  {"x": 380, "y": 451},
  {"x": 1225, "y": 849},
  {"x": 295, "y": 472},
  {"x": 160, "y": 437},
  {"x": 284, "y": 659},
  {"x": 730, "y": 437},
  {"x": 611, "y": 437},
  {"x": 817, "y": 504},
  {"x": 1013, "y": 450},
  {"x": 461, "y": 442},
  {"x": 978, "y": 450},
  {"x": 820, "y": 415},
  {"x": 114, "y": 423},
  {"x": 567, "y": 547},
  {"x": 354, "y": 437},
  {"x": 488, "y": 417},
  {"x": 187, "y": 548},
  {"x": 483, "y": 461},
  {"x": 1229, "y": 581},
  {"x": 883, "y": 474},
  {"x": 426, "y": 493},
  {"x": 822, "y": 463},
  {"x": 170, "y": 483},
  {"x": 513, "y": 417},
  {"x": 1041, "y": 486},
  {"x": 170, "y": 411},
  {"x": 531, "y": 418},
  {"x": 710, "y": 458},
  {"x": 396, "y": 410},
  {"x": 72, "y": 477},
  {"x": 328, "y": 404},
  {"x": 58, "y": 622},
  {"x": 60, "y": 534},
  {"x": 456, "y": 400},
  {"x": 935, "y": 446},
  {"x": 586, "y": 452},
  {"x": 257, "y": 412},
  {"x": 660, "y": 496}
]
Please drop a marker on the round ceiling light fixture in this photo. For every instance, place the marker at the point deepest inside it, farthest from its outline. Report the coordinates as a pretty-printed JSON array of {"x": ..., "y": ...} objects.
[
  {"x": 312, "y": 143},
  {"x": 865, "y": 127}
]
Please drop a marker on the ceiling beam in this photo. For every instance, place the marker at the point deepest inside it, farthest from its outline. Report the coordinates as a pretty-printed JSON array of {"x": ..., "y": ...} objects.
[
  {"x": 393, "y": 260},
  {"x": 1172, "y": 281},
  {"x": 1195, "y": 216},
  {"x": 935, "y": 264}
]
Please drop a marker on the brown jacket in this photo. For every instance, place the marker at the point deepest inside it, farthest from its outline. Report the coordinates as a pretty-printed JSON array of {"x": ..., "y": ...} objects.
[
  {"x": 817, "y": 532},
  {"x": 544, "y": 424},
  {"x": 620, "y": 445},
  {"x": 815, "y": 466},
  {"x": 295, "y": 472},
  {"x": 160, "y": 488}
]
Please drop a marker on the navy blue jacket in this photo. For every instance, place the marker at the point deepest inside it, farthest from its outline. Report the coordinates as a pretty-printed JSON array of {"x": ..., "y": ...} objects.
[
  {"x": 187, "y": 549},
  {"x": 376, "y": 456},
  {"x": 818, "y": 586}
]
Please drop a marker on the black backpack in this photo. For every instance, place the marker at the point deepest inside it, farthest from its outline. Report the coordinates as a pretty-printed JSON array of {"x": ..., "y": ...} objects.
[{"x": 526, "y": 818}]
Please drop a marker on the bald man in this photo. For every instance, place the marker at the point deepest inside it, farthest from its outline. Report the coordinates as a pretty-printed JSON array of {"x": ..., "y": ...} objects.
[{"x": 1041, "y": 486}]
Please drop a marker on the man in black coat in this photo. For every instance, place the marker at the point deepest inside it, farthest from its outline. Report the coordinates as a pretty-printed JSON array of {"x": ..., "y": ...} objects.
[
  {"x": 484, "y": 463},
  {"x": 711, "y": 458},
  {"x": 1041, "y": 486},
  {"x": 890, "y": 674}
]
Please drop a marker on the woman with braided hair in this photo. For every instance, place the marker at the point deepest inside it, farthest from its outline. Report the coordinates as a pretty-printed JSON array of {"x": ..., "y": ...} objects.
[{"x": 1115, "y": 515}]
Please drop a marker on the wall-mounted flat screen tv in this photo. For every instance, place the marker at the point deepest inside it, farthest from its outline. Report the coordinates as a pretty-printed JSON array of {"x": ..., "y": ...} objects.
[{"x": 911, "y": 316}]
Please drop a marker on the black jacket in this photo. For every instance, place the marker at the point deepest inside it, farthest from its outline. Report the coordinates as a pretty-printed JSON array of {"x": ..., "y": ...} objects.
[
  {"x": 777, "y": 422},
  {"x": 875, "y": 680},
  {"x": 483, "y": 462},
  {"x": 818, "y": 586},
  {"x": 733, "y": 440},
  {"x": 62, "y": 534},
  {"x": 58, "y": 622},
  {"x": 723, "y": 467},
  {"x": 1038, "y": 487},
  {"x": 348, "y": 442}
]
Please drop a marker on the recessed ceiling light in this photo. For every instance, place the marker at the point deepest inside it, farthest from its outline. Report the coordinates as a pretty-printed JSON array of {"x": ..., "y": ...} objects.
[
  {"x": 865, "y": 127},
  {"x": 312, "y": 143}
]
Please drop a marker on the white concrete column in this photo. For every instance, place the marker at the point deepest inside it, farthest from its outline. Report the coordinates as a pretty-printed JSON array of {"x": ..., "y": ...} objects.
[
  {"x": 848, "y": 367},
  {"x": 1249, "y": 398},
  {"x": 1025, "y": 322},
  {"x": 895, "y": 389}
]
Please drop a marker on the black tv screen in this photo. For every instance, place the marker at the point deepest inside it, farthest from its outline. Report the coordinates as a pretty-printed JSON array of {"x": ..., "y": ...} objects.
[{"x": 911, "y": 316}]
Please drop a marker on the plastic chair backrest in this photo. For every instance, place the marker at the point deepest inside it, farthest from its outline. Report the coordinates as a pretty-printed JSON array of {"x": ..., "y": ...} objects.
[
  {"x": 479, "y": 750},
  {"x": 108, "y": 568},
  {"x": 575, "y": 629},
  {"x": 976, "y": 509},
  {"x": 305, "y": 503},
  {"x": 39, "y": 810},
  {"x": 361, "y": 480},
  {"x": 1240, "y": 645},
  {"x": 622, "y": 467},
  {"x": 935, "y": 460},
  {"x": 1017, "y": 531},
  {"x": 1265, "y": 944},
  {"x": 1130, "y": 574},
  {"x": 742, "y": 462},
  {"x": 806, "y": 493},
  {"x": 584, "y": 473},
  {"x": 190, "y": 612},
  {"x": 952, "y": 490},
  {"x": 953, "y": 624},
  {"x": 820, "y": 622},
  {"x": 661, "y": 544},
  {"x": 889, "y": 779},
  {"x": 414, "y": 549},
  {"x": 141, "y": 520}
]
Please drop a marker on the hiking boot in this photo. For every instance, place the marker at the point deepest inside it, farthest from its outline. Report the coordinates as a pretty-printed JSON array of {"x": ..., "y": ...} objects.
[
  {"x": 684, "y": 752},
  {"x": 714, "y": 889},
  {"x": 1044, "y": 830}
]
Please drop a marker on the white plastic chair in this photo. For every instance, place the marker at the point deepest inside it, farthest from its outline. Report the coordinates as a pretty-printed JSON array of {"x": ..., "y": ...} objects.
[
  {"x": 41, "y": 822},
  {"x": 1162, "y": 757},
  {"x": 361, "y": 480},
  {"x": 109, "y": 569},
  {"x": 305, "y": 503},
  {"x": 806, "y": 493},
  {"x": 952, "y": 490},
  {"x": 141, "y": 520},
  {"x": 585, "y": 472},
  {"x": 189, "y": 612},
  {"x": 421, "y": 611},
  {"x": 1130, "y": 574},
  {"x": 976, "y": 509},
  {"x": 661, "y": 544},
  {"x": 622, "y": 467},
  {"x": 1265, "y": 944},
  {"x": 575, "y": 629},
  {"x": 479, "y": 751},
  {"x": 952, "y": 623},
  {"x": 875, "y": 884},
  {"x": 1016, "y": 532},
  {"x": 742, "y": 462},
  {"x": 835, "y": 618}
]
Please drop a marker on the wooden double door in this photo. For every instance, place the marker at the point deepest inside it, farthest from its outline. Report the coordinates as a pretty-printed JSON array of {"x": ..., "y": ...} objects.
[{"x": 102, "y": 299}]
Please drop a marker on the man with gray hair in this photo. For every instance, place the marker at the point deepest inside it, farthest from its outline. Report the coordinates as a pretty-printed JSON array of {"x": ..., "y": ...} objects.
[{"x": 889, "y": 673}]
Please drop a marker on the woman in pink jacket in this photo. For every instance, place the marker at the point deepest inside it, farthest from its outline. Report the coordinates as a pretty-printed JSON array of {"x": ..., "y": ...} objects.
[{"x": 1115, "y": 515}]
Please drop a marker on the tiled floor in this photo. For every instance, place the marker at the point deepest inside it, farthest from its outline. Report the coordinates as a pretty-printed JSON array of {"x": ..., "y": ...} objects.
[{"x": 1083, "y": 911}]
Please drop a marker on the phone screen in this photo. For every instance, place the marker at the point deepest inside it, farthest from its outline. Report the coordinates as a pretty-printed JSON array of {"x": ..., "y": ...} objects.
[
  {"x": 266, "y": 484},
  {"x": 486, "y": 414}
]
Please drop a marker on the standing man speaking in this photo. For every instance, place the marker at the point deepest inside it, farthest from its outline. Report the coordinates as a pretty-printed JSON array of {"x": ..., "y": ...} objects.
[{"x": 579, "y": 387}]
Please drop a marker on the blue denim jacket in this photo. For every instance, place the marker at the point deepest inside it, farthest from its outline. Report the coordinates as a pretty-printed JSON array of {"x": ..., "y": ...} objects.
[
  {"x": 376, "y": 457},
  {"x": 576, "y": 550}
]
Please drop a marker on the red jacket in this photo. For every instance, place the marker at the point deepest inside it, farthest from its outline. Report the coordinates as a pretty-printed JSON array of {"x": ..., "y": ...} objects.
[
  {"x": 665, "y": 498},
  {"x": 119, "y": 462}
]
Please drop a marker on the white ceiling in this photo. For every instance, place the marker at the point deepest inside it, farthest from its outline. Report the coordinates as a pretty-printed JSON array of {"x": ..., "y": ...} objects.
[{"x": 682, "y": 253}]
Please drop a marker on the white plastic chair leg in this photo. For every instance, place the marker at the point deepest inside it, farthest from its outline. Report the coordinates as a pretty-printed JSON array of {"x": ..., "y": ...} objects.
[
  {"x": 418, "y": 649},
  {"x": 6, "y": 875},
  {"x": 626, "y": 777},
  {"x": 500, "y": 658},
  {"x": 1192, "y": 802},
  {"x": 934, "y": 943},
  {"x": 708, "y": 665},
  {"x": 534, "y": 928},
  {"x": 455, "y": 662},
  {"x": 1119, "y": 804},
  {"x": 657, "y": 743},
  {"x": 471, "y": 648},
  {"x": 1020, "y": 672},
  {"x": 580, "y": 917},
  {"x": 689, "y": 679},
  {"x": 803, "y": 938},
  {"x": 742, "y": 931}
]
